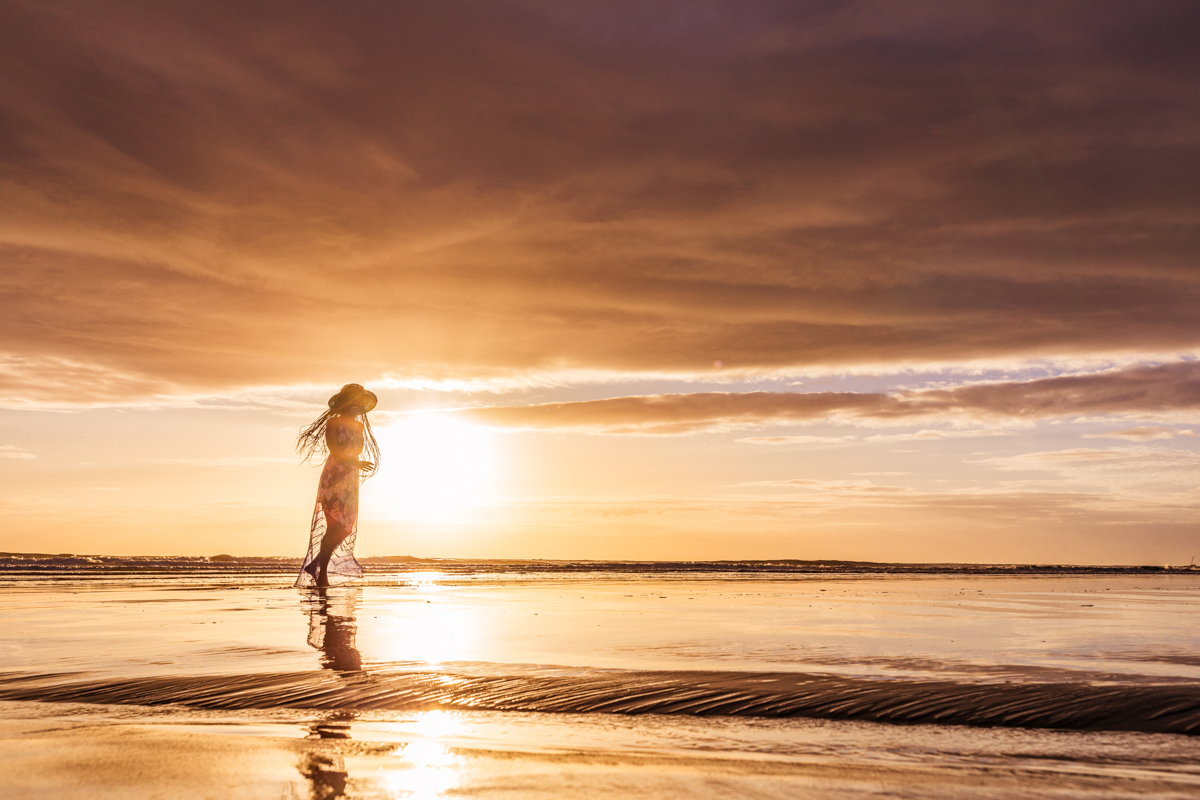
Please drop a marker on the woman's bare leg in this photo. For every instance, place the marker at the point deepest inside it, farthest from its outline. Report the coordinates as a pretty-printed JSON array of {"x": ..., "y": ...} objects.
[{"x": 334, "y": 536}]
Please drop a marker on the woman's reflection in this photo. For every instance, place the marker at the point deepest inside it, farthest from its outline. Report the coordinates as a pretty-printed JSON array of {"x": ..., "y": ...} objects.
[{"x": 331, "y": 629}]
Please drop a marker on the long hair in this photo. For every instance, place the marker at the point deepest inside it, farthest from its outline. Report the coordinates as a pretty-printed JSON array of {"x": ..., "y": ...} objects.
[{"x": 311, "y": 441}]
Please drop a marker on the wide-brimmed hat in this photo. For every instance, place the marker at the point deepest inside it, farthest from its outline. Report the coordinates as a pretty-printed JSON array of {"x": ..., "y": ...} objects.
[{"x": 351, "y": 392}]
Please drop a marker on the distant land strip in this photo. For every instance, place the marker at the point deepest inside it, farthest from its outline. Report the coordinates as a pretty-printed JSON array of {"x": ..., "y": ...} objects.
[{"x": 386, "y": 566}]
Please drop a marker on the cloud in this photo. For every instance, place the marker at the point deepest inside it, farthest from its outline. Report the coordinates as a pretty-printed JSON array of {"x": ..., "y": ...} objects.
[
  {"x": 1141, "y": 389},
  {"x": 1006, "y": 503},
  {"x": 199, "y": 197},
  {"x": 1141, "y": 433},
  {"x": 1125, "y": 468},
  {"x": 923, "y": 435},
  {"x": 837, "y": 488},
  {"x": 1068, "y": 456},
  {"x": 1159, "y": 388},
  {"x": 675, "y": 413},
  {"x": 14, "y": 452},
  {"x": 927, "y": 435},
  {"x": 782, "y": 440}
]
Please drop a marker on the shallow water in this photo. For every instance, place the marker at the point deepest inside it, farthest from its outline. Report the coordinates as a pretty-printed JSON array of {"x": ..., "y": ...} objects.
[{"x": 420, "y": 684}]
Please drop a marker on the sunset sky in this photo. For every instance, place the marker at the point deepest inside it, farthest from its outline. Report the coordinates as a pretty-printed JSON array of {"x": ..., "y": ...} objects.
[{"x": 679, "y": 280}]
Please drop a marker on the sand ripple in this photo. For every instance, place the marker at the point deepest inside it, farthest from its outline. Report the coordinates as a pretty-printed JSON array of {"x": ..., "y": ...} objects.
[{"x": 1147, "y": 708}]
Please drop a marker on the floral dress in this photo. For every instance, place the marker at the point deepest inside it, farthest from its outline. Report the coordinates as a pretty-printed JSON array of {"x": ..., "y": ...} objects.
[{"x": 337, "y": 506}]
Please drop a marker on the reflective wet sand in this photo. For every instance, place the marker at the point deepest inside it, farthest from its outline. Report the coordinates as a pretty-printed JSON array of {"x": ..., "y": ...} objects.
[
  {"x": 150, "y": 642},
  {"x": 1117, "y": 627},
  {"x": 102, "y": 752}
]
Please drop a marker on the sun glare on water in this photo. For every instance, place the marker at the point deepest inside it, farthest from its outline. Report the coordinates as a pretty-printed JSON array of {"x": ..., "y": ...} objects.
[{"x": 435, "y": 469}]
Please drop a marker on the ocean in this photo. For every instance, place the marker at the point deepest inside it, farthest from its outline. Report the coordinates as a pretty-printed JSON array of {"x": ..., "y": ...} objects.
[{"x": 435, "y": 678}]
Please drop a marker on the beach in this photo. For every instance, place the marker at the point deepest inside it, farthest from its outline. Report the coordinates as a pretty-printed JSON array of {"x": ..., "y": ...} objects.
[
  {"x": 135, "y": 678},
  {"x": 529, "y": 400}
]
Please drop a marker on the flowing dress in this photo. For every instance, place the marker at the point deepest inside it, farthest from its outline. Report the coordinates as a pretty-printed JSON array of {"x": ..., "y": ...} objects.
[{"x": 337, "y": 503}]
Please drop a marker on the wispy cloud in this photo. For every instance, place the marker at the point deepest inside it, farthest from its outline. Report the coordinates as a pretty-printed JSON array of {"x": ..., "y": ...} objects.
[
  {"x": 783, "y": 440},
  {"x": 1135, "y": 467},
  {"x": 1141, "y": 434},
  {"x": 14, "y": 452},
  {"x": 1140, "y": 389},
  {"x": 935, "y": 435}
]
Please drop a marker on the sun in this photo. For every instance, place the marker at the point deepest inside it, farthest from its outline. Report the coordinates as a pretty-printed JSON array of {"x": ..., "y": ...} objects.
[{"x": 434, "y": 469}]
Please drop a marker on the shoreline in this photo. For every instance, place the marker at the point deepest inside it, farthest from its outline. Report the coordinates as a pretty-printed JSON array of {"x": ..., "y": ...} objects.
[{"x": 79, "y": 564}]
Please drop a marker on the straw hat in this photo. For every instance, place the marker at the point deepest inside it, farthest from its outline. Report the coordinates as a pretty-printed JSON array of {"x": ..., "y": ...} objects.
[{"x": 351, "y": 392}]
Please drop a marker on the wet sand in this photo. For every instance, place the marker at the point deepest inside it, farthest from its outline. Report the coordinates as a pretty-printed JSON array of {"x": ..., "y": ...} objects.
[
  {"x": 101, "y": 752},
  {"x": 426, "y": 685}
]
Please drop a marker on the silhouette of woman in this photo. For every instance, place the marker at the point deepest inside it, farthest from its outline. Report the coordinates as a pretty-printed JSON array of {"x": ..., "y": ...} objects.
[{"x": 342, "y": 432}]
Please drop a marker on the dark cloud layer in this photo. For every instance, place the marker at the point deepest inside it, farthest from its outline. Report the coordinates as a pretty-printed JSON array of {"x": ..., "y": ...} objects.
[
  {"x": 1168, "y": 388},
  {"x": 210, "y": 194}
]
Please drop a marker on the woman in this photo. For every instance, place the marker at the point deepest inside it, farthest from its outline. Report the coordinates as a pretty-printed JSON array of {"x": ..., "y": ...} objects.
[{"x": 342, "y": 431}]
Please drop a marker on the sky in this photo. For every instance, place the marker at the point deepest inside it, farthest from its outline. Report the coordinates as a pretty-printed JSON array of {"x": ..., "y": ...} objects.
[{"x": 678, "y": 280}]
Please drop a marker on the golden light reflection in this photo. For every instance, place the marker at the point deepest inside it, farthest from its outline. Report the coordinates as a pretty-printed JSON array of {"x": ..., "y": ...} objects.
[
  {"x": 435, "y": 469},
  {"x": 437, "y": 724},
  {"x": 432, "y": 772},
  {"x": 426, "y": 581},
  {"x": 426, "y": 629}
]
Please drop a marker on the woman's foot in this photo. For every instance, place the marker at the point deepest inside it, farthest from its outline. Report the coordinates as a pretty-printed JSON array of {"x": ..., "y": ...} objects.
[{"x": 323, "y": 580}]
